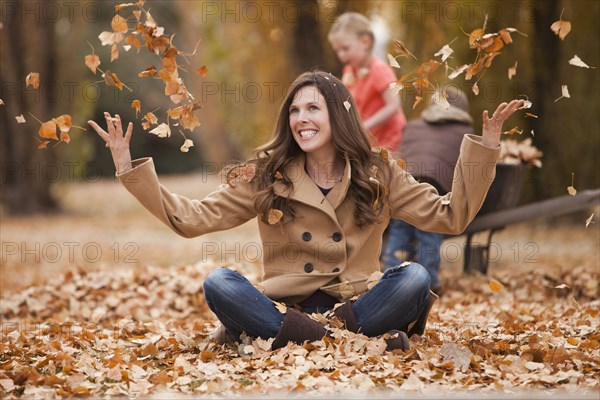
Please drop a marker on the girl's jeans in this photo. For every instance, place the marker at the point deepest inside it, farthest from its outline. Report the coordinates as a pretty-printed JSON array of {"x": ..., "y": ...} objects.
[
  {"x": 425, "y": 250},
  {"x": 395, "y": 301}
]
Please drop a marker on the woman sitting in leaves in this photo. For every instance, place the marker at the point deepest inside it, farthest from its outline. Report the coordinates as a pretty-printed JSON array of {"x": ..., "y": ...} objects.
[{"x": 323, "y": 198}]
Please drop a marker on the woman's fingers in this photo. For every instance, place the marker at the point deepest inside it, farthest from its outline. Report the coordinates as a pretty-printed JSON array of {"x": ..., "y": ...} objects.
[
  {"x": 129, "y": 132},
  {"x": 101, "y": 132}
]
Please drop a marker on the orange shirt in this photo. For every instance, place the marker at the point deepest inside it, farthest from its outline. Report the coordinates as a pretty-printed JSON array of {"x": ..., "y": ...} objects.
[{"x": 367, "y": 90}]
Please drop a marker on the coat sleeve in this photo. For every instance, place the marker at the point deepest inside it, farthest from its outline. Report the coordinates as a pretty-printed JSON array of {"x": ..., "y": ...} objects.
[
  {"x": 225, "y": 208},
  {"x": 420, "y": 205}
]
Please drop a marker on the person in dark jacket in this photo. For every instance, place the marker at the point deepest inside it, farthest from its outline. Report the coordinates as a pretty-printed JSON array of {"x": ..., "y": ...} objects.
[{"x": 430, "y": 148}]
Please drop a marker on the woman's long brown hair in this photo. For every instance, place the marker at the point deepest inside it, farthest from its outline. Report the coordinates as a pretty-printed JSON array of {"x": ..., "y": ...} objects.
[{"x": 350, "y": 140}]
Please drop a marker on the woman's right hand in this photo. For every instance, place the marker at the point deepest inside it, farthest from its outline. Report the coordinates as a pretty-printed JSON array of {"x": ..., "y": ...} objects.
[{"x": 118, "y": 144}]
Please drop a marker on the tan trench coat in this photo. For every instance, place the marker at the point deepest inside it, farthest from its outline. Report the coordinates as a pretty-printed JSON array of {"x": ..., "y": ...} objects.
[{"x": 321, "y": 248}]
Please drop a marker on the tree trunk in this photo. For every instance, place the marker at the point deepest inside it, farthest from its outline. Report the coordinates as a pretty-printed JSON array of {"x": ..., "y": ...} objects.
[{"x": 25, "y": 169}]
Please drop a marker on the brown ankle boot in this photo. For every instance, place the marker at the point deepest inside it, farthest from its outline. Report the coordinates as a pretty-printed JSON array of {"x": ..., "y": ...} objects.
[
  {"x": 398, "y": 342},
  {"x": 345, "y": 313},
  {"x": 418, "y": 326},
  {"x": 297, "y": 328}
]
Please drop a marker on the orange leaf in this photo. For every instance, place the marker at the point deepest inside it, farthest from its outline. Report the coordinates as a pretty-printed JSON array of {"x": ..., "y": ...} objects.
[
  {"x": 513, "y": 131},
  {"x": 111, "y": 79},
  {"x": 119, "y": 24},
  {"x": 33, "y": 79},
  {"x": 401, "y": 163},
  {"x": 474, "y": 37},
  {"x": 495, "y": 286},
  {"x": 150, "y": 71},
  {"x": 63, "y": 122},
  {"x": 92, "y": 61},
  {"x": 43, "y": 145},
  {"x": 64, "y": 137},
  {"x": 505, "y": 35},
  {"x": 149, "y": 119},
  {"x": 48, "y": 130},
  {"x": 202, "y": 71},
  {"x": 171, "y": 88},
  {"x": 137, "y": 105},
  {"x": 132, "y": 40},
  {"x": 274, "y": 216}
]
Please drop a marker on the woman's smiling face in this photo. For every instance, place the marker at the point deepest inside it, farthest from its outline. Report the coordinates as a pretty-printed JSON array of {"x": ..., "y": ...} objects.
[{"x": 309, "y": 121}]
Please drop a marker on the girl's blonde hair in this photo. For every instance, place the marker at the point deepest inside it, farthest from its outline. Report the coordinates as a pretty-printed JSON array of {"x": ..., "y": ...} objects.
[{"x": 353, "y": 23}]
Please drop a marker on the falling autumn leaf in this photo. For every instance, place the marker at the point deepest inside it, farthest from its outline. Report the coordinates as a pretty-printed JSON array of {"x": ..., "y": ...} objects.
[
  {"x": 576, "y": 61},
  {"x": 48, "y": 130},
  {"x": 33, "y": 79},
  {"x": 401, "y": 163},
  {"x": 513, "y": 131},
  {"x": 512, "y": 71},
  {"x": 150, "y": 71},
  {"x": 119, "y": 24},
  {"x": 137, "y": 106},
  {"x": 185, "y": 147},
  {"x": 475, "y": 89},
  {"x": 92, "y": 61},
  {"x": 444, "y": 52},
  {"x": 571, "y": 189},
  {"x": 20, "y": 119},
  {"x": 162, "y": 130},
  {"x": 43, "y": 144},
  {"x": 418, "y": 100},
  {"x": 1, "y": 102},
  {"x": 458, "y": 71},
  {"x": 63, "y": 122},
  {"x": 111, "y": 79},
  {"x": 561, "y": 28},
  {"x": 347, "y": 105},
  {"x": 148, "y": 120},
  {"x": 401, "y": 49},
  {"x": 274, "y": 216},
  {"x": 589, "y": 220},
  {"x": 495, "y": 286},
  {"x": 64, "y": 137},
  {"x": 202, "y": 71},
  {"x": 565, "y": 93},
  {"x": 114, "y": 52},
  {"x": 393, "y": 62}
]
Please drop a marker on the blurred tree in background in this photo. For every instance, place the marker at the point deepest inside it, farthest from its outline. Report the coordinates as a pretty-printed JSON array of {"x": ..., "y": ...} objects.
[{"x": 253, "y": 50}]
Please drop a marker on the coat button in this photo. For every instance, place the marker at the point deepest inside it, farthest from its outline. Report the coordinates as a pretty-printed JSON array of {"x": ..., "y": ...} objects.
[
  {"x": 308, "y": 268},
  {"x": 306, "y": 236},
  {"x": 337, "y": 237},
  {"x": 336, "y": 269}
]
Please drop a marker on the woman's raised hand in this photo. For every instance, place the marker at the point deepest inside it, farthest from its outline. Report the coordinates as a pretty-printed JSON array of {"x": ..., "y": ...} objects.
[
  {"x": 116, "y": 141},
  {"x": 492, "y": 127}
]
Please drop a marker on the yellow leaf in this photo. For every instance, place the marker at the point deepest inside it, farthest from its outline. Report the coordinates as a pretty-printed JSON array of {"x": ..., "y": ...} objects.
[
  {"x": 274, "y": 216},
  {"x": 495, "y": 286},
  {"x": 573, "y": 341},
  {"x": 346, "y": 290},
  {"x": 401, "y": 164},
  {"x": 589, "y": 220},
  {"x": 561, "y": 28}
]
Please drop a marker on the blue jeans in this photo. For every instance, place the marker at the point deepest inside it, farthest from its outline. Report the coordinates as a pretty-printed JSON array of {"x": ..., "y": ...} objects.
[
  {"x": 396, "y": 300},
  {"x": 417, "y": 245}
]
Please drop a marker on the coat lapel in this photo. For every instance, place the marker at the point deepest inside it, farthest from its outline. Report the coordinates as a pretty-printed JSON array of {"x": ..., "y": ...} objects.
[{"x": 306, "y": 191}]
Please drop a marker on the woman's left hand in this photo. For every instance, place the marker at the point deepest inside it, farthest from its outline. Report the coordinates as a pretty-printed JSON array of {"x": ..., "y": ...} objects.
[{"x": 492, "y": 127}]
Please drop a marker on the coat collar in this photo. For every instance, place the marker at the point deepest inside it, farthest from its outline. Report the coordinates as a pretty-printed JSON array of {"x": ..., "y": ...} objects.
[{"x": 306, "y": 191}]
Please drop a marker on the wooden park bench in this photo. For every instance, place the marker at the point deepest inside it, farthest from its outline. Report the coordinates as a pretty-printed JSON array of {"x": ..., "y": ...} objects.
[{"x": 500, "y": 210}]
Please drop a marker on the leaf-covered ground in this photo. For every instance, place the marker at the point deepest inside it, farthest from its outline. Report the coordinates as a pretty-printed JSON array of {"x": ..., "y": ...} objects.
[
  {"x": 144, "y": 333},
  {"x": 116, "y": 328}
]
